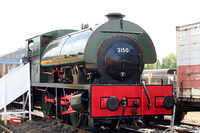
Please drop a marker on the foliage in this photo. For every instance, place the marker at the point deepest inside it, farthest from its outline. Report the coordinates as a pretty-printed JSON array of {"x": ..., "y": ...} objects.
[{"x": 167, "y": 62}]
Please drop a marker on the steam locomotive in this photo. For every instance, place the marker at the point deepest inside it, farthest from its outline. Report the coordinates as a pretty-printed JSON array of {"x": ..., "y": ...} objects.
[{"x": 92, "y": 76}]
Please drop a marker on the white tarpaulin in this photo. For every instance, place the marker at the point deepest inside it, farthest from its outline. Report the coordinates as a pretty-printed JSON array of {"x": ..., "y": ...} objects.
[{"x": 14, "y": 84}]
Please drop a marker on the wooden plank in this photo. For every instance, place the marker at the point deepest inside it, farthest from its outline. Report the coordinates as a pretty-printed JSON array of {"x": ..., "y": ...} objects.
[
  {"x": 1, "y": 66},
  {"x": 4, "y": 70}
]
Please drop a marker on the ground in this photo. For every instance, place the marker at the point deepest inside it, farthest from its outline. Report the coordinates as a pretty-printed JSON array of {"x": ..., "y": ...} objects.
[
  {"x": 192, "y": 117},
  {"x": 38, "y": 126}
]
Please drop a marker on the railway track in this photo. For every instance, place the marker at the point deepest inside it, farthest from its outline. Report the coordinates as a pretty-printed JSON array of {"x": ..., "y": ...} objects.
[
  {"x": 154, "y": 128},
  {"x": 39, "y": 125},
  {"x": 48, "y": 125},
  {"x": 191, "y": 124},
  {"x": 65, "y": 127},
  {"x": 3, "y": 129},
  {"x": 180, "y": 128},
  {"x": 163, "y": 128}
]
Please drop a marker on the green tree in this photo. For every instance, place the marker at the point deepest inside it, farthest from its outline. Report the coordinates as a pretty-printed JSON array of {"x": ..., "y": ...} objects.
[
  {"x": 153, "y": 66},
  {"x": 169, "y": 61},
  {"x": 158, "y": 64}
]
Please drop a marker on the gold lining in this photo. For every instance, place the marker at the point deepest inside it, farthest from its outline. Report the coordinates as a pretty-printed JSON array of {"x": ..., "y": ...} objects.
[{"x": 61, "y": 60}]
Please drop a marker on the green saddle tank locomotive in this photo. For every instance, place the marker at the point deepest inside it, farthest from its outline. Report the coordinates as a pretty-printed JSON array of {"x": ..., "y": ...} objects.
[{"x": 92, "y": 76}]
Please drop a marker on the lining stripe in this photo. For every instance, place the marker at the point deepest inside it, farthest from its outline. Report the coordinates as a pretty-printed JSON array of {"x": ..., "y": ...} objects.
[{"x": 61, "y": 60}]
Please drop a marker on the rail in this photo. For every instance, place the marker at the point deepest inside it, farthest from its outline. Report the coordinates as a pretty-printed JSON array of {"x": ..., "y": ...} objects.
[{"x": 6, "y": 130}]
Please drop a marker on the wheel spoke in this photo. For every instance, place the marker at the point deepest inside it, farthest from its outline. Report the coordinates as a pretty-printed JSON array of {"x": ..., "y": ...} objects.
[
  {"x": 46, "y": 107},
  {"x": 76, "y": 119}
]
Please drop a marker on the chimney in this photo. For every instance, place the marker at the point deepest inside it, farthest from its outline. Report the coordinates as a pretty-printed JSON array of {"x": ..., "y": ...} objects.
[{"x": 114, "y": 16}]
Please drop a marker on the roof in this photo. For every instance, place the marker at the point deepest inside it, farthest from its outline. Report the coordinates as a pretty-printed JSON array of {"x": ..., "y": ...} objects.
[{"x": 12, "y": 58}]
